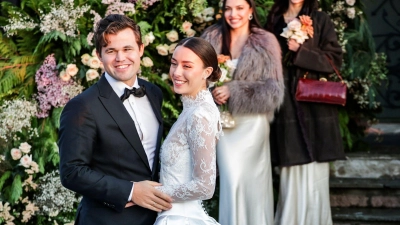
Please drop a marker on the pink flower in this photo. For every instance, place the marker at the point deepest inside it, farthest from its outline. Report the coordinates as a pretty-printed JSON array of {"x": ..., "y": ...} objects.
[
  {"x": 26, "y": 161},
  {"x": 64, "y": 76},
  {"x": 16, "y": 154},
  {"x": 71, "y": 70},
  {"x": 186, "y": 26},
  {"x": 92, "y": 74}
]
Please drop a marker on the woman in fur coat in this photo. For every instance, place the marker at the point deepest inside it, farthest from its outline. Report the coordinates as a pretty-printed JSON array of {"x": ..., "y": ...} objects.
[
  {"x": 305, "y": 136},
  {"x": 255, "y": 92}
]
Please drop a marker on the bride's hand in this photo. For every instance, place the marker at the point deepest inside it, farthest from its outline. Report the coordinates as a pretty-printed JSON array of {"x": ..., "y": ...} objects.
[{"x": 221, "y": 94}]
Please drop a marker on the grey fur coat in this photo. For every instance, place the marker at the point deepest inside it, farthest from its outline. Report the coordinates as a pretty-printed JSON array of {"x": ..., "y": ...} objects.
[{"x": 257, "y": 85}]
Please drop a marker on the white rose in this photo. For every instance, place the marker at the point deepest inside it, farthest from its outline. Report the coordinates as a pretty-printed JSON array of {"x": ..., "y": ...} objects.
[
  {"x": 25, "y": 147},
  {"x": 351, "y": 12},
  {"x": 295, "y": 24},
  {"x": 162, "y": 49},
  {"x": 92, "y": 74},
  {"x": 85, "y": 58},
  {"x": 230, "y": 64},
  {"x": 190, "y": 33},
  {"x": 147, "y": 62},
  {"x": 286, "y": 33},
  {"x": 148, "y": 39},
  {"x": 26, "y": 161},
  {"x": 350, "y": 2},
  {"x": 64, "y": 76},
  {"x": 71, "y": 70},
  {"x": 94, "y": 62},
  {"x": 94, "y": 53},
  {"x": 186, "y": 26},
  {"x": 208, "y": 19},
  {"x": 172, "y": 36},
  {"x": 16, "y": 154},
  {"x": 208, "y": 12},
  {"x": 164, "y": 76},
  {"x": 224, "y": 72},
  {"x": 172, "y": 47}
]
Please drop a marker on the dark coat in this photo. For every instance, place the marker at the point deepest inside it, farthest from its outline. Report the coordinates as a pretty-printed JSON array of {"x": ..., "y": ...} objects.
[
  {"x": 306, "y": 132},
  {"x": 101, "y": 153}
]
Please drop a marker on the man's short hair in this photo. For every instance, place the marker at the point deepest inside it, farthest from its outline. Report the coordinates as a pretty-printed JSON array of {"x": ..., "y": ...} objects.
[{"x": 112, "y": 24}]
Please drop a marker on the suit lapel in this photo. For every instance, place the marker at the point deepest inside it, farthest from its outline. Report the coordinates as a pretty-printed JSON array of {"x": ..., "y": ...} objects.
[
  {"x": 121, "y": 117},
  {"x": 154, "y": 102}
]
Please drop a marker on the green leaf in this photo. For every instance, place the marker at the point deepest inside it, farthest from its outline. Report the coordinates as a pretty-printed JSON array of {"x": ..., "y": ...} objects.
[
  {"x": 56, "y": 116},
  {"x": 16, "y": 189},
  {"x": 3, "y": 178}
]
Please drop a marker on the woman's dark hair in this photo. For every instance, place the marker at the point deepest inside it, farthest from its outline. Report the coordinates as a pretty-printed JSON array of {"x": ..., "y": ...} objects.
[
  {"x": 112, "y": 24},
  {"x": 205, "y": 51},
  {"x": 281, "y": 6},
  {"x": 225, "y": 28}
]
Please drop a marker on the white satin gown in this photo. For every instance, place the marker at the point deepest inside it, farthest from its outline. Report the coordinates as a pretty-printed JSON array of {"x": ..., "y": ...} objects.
[{"x": 188, "y": 162}]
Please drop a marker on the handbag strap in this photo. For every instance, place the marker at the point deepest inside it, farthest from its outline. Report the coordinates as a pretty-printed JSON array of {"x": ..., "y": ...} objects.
[{"x": 334, "y": 68}]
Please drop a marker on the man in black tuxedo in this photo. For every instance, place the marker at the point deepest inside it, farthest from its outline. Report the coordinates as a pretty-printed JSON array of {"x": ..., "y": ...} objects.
[{"x": 110, "y": 135}]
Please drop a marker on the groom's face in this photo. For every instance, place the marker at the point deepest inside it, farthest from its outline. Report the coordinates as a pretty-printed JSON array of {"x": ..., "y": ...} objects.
[{"x": 121, "y": 56}]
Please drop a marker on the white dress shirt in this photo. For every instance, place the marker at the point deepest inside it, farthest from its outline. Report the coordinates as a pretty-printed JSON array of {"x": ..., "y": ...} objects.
[{"x": 142, "y": 114}]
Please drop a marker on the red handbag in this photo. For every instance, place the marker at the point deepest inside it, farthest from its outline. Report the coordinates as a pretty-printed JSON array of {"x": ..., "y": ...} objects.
[{"x": 322, "y": 91}]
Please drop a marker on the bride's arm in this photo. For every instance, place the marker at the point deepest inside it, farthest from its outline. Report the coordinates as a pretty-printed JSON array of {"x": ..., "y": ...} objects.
[{"x": 202, "y": 130}]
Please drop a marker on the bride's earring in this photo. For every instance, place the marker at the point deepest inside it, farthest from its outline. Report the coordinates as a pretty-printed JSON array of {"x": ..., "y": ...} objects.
[{"x": 250, "y": 16}]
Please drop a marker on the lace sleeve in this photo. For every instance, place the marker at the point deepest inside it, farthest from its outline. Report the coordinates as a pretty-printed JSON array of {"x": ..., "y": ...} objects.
[{"x": 202, "y": 132}]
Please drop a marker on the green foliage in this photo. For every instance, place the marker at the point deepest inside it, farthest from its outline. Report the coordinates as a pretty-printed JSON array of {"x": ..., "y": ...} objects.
[{"x": 16, "y": 189}]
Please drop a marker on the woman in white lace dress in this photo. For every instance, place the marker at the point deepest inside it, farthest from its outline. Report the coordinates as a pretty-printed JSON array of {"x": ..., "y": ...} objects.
[{"x": 188, "y": 157}]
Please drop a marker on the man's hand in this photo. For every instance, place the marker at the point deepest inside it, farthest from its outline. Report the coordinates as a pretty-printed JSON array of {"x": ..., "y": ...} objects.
[{"x": 146, "y": 196}]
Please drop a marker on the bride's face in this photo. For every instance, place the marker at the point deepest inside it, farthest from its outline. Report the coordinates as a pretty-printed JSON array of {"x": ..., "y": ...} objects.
[{"x": 187, "y": 72}]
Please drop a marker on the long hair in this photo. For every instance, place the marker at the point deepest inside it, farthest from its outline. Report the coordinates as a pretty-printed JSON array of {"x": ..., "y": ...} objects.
[
  {"x": 281, "y": 6},
  {"x": 225, "y": 28}
]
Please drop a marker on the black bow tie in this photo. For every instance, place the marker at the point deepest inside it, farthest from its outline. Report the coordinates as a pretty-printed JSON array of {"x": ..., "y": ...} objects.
[{"x": 137, "y": 92}]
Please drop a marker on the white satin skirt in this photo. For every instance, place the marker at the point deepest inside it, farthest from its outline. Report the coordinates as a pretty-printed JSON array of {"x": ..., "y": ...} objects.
[
  {"x": 243, "y": 156},
  {"x": 185, "y": 213},
  {"x": 304, "y": 195}
]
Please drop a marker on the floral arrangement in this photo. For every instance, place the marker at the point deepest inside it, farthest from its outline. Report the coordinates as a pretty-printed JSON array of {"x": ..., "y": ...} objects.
[
  {"x": 227, "y": 67},
  {"x": 299, "y": 29}
]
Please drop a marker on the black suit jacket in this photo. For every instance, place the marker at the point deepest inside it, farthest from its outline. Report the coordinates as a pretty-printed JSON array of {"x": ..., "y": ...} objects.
[{"x": 101, "y": 153}]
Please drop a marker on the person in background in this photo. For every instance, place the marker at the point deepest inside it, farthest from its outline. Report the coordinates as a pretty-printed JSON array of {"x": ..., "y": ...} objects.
[
  {"x": 188, "y": 157},
  {"x": 254, "y": 93},
  {"x": 305, "y": 136},
  {"x": 110, "y": 135}
]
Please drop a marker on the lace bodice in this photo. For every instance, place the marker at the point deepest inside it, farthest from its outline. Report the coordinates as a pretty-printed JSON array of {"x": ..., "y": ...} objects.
[{"x": 188, "y": 155}]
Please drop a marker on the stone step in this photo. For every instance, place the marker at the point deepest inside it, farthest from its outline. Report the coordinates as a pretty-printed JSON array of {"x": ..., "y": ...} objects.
[
  {"x": 365, "y": 216},
  {"x": 364, "y": 183}
]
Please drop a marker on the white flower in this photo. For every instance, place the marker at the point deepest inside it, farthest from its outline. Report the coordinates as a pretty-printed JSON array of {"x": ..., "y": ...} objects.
[
  {"x": 224, "y": 74},
  {"x": 172, "y": 36},
  {"x": 147, "y": 62},
  {"x": 186, "y": 26},
  {"x": 208, "y": 12},
  {"x": 294, "y": 25},
  {"x": 162, "y": 49},
  {"x": 92, "y": 74},
  {"x": 85, "y": 59},
  {"x": 172, "y": 48},
  {"x": 25, "y": 147},
  {"x": 286, "y": 33},
  {"x": 94, "y": 62},
  {"x": 230, "y": 64},
  {"x": 94, "y": 53},
  {"x": 164, "y": 76},
  {"x": 350, "y": 2},
  {"x": 208, "y": 19},
  {"x": 15, "y": 154},
  {"x": 148, "y": 38},
  {"x": 64, "y": 76},
  {"x": 26, "y": 161},
  {"x": 71, "y": 70},
  {"x": 190, "y": 33},
  {"x": 351, "y": 12}
]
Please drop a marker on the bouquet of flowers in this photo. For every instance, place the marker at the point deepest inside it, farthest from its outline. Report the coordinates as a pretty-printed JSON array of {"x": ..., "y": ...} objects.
[
  {"x": 227, "y": 67},
  {"x": 299, "y": 30}
]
